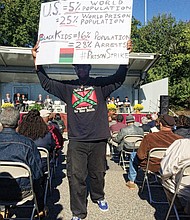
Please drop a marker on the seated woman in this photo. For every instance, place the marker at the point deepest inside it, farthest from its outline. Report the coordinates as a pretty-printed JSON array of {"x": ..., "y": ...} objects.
[
  {"x": 53, "y": 128},
  {"x": 34, "y": 127}
]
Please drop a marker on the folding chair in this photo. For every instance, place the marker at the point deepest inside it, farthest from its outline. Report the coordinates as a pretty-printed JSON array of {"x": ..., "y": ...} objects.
[
  {"x": 153, "y": 153},
  {"x": 10, "y": 171},
  {"x": 44, "y": 153},
  {"x": 185, "y": 171},
  {"x": 113, "y": 145},
  {"x": 146, "y": 132},
  {"x": 134, "y": 141},
  {"x": 54, "y": 161}
]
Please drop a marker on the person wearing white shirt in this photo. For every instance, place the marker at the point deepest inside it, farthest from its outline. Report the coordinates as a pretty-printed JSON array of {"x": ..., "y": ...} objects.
[{"x": 177, "y": 155}]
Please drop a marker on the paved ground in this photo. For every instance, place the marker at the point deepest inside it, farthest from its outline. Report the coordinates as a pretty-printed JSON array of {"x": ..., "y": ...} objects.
[{"x": 123, "y": 203}]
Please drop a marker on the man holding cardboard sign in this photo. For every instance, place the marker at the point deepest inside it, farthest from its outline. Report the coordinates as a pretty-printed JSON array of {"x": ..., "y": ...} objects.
[
  {"x": 81, "y": 32},
  {"x": 88, "y": 130}
]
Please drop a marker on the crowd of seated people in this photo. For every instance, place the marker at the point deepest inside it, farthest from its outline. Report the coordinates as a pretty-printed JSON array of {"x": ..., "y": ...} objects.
[
  {"x": 162, "y": 139},
  {"x": 123, "y": 106},
  {"x": 21, "y": 102},
  {"x": 42, "y": 128},
  {"x": 163, "y": 132},
  {"x": 130, "y": 127},
  {"x": 18, "y": 148},
  {"x": 19, "y": 141}
]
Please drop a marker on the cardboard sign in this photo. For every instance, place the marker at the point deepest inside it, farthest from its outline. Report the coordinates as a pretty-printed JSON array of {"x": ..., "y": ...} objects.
[{"x": 84, "y": 32}]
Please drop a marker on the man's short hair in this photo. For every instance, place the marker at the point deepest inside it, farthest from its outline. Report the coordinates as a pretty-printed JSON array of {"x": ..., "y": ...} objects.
[
  {"x": 9, "y": 117},
  {"x": 119, "y": 118}
]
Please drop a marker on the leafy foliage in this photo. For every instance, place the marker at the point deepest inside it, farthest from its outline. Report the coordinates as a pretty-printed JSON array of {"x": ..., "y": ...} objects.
[
  {"x": 19, "y": 22},
  {"x": 35, "y": 106},
  {"x": 163, "y": 35}
]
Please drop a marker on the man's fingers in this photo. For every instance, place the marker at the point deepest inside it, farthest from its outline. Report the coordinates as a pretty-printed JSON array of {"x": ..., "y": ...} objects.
[
  {"x": 35, "y": 48},
  {"x": 129, "y": 45},
  {"x": 37, "y": 45}
]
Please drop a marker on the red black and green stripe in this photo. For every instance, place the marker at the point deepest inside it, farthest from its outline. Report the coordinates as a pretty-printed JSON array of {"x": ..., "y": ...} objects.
[{"x": 66, "y": 55}]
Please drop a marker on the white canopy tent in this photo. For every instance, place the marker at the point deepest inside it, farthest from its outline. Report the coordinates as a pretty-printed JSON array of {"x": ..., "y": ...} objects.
[{"x": 16, "y": 66}]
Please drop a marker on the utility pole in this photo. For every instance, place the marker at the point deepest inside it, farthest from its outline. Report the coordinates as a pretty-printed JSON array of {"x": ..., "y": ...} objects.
[{"x": 145, "y": 12}]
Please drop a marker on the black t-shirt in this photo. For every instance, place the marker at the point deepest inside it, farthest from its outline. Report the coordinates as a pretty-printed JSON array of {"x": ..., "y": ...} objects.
[{"x": 86, "y": 105}]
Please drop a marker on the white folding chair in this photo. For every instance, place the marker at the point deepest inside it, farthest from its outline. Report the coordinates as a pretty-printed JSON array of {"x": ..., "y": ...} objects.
[
  {"x": 185, "y": 171},
  {"x": 153, "y": 153},
  {"x": 54, "y": 161},
  {"x": 146, "y": 132},
  {"x": 10, "y": 171},
  {"x": 134, "y": 142},
  {"x": 113, "y": 145},
  {"x": 44, "y": 153},
  {"x": 113, "y": 135}
]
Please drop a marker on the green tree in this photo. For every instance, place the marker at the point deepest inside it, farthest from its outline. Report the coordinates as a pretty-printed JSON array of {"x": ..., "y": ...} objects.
[
  {"x": 19, "y": 21},
  {"x": 180, "y": 64},
  {"x": 135, "y": 26},
  {"x": 165, "y": 36}
]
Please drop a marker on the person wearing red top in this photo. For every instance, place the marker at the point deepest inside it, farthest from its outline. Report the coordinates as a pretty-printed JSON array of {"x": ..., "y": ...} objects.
[
  {"x": 58, "y": 138},
  {"x": 119, "y": 124}
]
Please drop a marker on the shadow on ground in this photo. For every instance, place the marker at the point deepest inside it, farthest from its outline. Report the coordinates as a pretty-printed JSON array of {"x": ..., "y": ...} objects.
[
  {"x": 55, "y": 209},
  {"x": 156, "y": 192}
]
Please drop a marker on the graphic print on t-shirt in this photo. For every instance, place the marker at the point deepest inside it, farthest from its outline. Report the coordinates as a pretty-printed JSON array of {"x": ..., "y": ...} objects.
[{"x": 84, "y": 99}]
